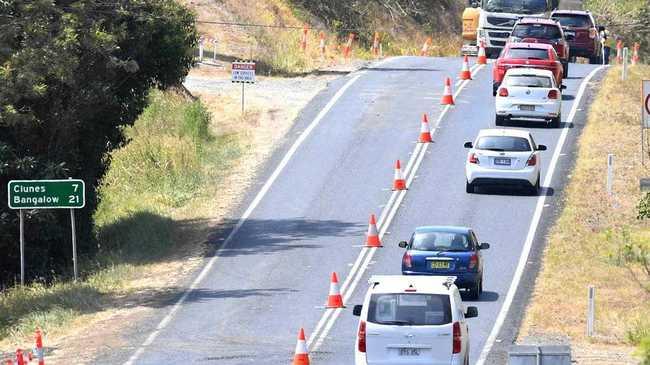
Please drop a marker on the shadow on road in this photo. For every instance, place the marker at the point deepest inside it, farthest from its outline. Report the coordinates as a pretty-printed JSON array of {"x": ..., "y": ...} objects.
[{"x": 486, "y": 296}]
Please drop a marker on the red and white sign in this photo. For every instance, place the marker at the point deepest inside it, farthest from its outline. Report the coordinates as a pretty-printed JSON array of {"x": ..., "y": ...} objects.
[
  {"x": 646, "y": 103},
  {"x": 243, "y": 72}
]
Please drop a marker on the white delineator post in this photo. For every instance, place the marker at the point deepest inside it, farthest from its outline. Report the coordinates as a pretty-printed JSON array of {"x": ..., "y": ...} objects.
[
  {"x": 624, "y": 64},
  {"x": 591, "y": 310},
  {"x": 610, "y": 173}
]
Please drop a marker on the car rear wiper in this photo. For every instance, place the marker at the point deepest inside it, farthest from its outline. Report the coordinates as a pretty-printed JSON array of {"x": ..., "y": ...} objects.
[{"x": 397, "y": 322}]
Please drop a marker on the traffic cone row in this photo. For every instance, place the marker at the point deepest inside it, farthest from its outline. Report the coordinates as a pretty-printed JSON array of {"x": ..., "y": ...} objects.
[
  {"x": 482, "y": 58},
  {"x": 635, "y": 54},
  {"x": 348, "y": 46},
  {"x": 321, "y": 45},
  {"x": 465, "y": 73},
  {"x": 447, "y": 96},
  {"x": 399, "y": 183},
  {"x": 372, "y": 237},
  {"x": 619, "y": 52},
  {"x": 301, "y": 355},
  {"x": 425, "y": 130},
  {"x": 375, "y": 45},
  {"x": 38, "y": 350},
  {"x": 25, "y": 357},
  {"x": 425, "y": 47}
]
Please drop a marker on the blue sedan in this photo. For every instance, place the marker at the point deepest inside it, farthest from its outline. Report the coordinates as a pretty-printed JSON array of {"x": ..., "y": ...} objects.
[{"x": 446, "y": 251}]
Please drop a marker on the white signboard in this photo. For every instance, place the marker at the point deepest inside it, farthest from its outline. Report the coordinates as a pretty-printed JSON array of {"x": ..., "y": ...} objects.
[
  {"x": 646, "y": 104},
  {"x": 243, "y": 72}
]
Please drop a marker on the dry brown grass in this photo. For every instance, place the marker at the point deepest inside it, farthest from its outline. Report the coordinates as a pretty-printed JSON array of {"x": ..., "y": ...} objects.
[{"x": 579, "y": 252}]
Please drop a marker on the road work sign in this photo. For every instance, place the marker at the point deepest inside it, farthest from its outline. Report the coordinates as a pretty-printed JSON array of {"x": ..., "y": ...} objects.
[
  {"x": 46, "y": 194},
  {"x": 645, "y": 99},
  {"x": 243, "y": 71}
]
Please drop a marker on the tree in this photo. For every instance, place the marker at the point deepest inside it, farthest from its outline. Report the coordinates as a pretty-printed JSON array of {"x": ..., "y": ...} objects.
[{"x": 72, "y": 74}]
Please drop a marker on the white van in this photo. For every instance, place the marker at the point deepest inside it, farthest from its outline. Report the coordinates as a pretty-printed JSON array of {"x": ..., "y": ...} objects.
[{"x": 412, "y": 320}]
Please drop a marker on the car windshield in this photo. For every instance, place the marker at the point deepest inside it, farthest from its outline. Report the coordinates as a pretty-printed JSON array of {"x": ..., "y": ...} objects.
[
  {"x": 537, "y": 31},
  {"x": 503, "y": 143},
  {"x": 515, "y": 6},
  {"x": 573, "y": 20},
  {"x": 528, "y": 81},
  {"x": 440, "y": 241},
  {"x": 409, "y": 309},
  {"x": 528, "y": 53}
]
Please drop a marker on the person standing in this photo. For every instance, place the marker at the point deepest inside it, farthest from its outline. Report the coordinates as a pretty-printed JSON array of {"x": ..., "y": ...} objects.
[{"x": 608, "y": 43}]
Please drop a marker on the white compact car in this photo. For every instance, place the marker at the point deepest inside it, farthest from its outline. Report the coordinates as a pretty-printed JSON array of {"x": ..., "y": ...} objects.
[
  {"x": 529, "y": 93},
  {"x": 412, "y": 320},
  {"x": 503, "y": 157}
]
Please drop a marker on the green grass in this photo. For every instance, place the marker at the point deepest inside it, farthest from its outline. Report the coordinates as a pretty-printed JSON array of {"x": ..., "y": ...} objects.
[{"x": 172, "y": 163}]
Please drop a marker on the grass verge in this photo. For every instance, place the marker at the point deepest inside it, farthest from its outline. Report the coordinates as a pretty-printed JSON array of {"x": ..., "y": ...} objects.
[
  {"x": 588, "y": 243},
  {"x": 152, "y": 197}
]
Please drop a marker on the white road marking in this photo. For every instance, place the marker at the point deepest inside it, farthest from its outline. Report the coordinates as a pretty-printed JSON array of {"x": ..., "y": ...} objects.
[
  {"x": 265, "y": 188},
  {"x": 356, "y": 273},
  {"x": 533, "y": 226}
]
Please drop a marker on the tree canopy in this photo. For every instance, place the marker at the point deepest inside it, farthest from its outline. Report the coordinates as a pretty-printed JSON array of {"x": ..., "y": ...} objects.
[{"x": 72, "y": 74}]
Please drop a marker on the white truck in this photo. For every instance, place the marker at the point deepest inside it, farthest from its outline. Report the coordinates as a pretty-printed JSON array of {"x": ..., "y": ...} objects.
[{"x": 491, "y": 22}]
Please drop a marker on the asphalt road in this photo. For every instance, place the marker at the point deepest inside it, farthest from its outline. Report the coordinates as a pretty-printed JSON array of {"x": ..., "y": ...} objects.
[{"x": 273, "y": 275}]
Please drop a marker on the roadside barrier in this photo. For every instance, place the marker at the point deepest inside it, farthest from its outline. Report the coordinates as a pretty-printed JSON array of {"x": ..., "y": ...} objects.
[
  {"x": 303, "y": 39},
  {"x": 482, "y": 59},
  {"x": 425, "y": 47},
  {"x": 465, "y": 73},
  {"x": 334, "y": 299},
  {"x": 425, "y": 130},
  {"x": 321, "y": 45},
  {"x": 372, "y": 237},
  {"x": 619, "y": 52},
  {"x": 635, "y": 54},
  {"x": 348, "y": 46},
  {"x": 301, "y": 356},
  {"x": 399, "y": 183},
  {"x": 447, "y": 97},
  {"x": 375, "y": 45}
]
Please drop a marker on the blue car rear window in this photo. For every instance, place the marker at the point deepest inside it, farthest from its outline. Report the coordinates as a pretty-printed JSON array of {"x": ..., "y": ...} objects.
[{"x": 441, "y": 241}]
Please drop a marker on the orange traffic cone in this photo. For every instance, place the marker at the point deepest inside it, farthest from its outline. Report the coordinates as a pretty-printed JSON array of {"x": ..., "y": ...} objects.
[
  {"x": 335, "y": 300},
  {"x": 321, "y": 45},
  {"x": 9, "y": 362},
  {"x": 635, "y": 54},
  {"x": 619, "y": 52},
  {"x": 301, "y": 357},
  {"x": 399, "y": 183},
  {"x": 20, "y": 359},
  {"x": 447, "y": 97},
  {"x": 372, "y": 238},
  {"x": 38, "y": 350},
  {"x": 425, "y": 47},
  {"x": 425, "y": 131},
  {"x": 482, "y": 59},
  {"x": 465, "y": 74}
]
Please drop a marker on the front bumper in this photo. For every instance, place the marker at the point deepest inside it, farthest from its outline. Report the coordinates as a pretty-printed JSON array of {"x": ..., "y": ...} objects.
[{"x": 487, "y": 176}]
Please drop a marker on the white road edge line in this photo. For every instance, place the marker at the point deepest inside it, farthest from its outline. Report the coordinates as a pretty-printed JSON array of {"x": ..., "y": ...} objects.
[
  {"x": 260, "y": 195},
  {"x": 355, "y": 276},
  {"x": 533, "y": 226}
]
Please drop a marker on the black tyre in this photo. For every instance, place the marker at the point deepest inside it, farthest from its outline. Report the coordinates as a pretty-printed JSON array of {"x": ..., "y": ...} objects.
[
  {"x": 555, "y": 122},
  {"x": 534, "y": 190},
  {"x": 499, "y": 120},
  {"x": 565, "y": 65},
  {"x": 475, "y": 291},
  {"x": 469, "y": 188}
]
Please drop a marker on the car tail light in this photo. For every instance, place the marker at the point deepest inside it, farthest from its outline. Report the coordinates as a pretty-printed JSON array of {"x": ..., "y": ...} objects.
[
  {"x": 592, "y": 33},
  {"x": 503, "y": 91},
  {"x": 532, "y": 161},
  {"x": 553, "y": 94},
  {"x": 473, "y": 159},
  {"x": 473, "y": 261},
  {"x": 362, "y": 336},
  {"x": 457, "y": 339},
  {"x": 406, "y": 260}
]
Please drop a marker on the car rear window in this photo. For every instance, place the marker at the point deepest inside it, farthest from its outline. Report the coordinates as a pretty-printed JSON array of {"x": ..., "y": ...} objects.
[
  {"x": 440, "y": 241},
  {"x": 409, "y": 309},
  {"x": 539, "y": 31},
  {"x": 503, "y": 143},
  {"x": 528, "y": 81},
  {"x": 573, "y": 20},
  {"x": 528, "y": 53}
]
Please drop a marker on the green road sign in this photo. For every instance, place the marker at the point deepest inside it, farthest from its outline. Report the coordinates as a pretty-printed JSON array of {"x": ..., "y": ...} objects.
[{"x": 46, "y": 194}]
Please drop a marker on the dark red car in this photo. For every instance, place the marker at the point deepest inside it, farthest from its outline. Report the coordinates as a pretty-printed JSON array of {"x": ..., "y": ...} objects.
[
  {"x": 580, "y": 28},
  {"x": 528, "y": 55},
  {"x": 541, "y": 30}
]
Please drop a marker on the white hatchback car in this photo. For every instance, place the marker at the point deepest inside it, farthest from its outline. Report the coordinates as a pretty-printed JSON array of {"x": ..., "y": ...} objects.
[
  {"x": 529, "y": 93},
  {"x": 503, "y": 157},
  {"x": 412, "y": 320}
]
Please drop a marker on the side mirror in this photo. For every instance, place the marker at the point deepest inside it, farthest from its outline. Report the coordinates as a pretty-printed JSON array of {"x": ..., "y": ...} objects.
[
  {"x": 402, "y": 244},
  {"x": 484, "y": 246},
  {"x": 541, "y": 147},
  {"x": 562, "y": 87},
  {"x": 357, "y": 310},
  {"x": 474, "y": 4},
  {"x": 472, "y": 312},
  {"x": 468, "y": 145}
]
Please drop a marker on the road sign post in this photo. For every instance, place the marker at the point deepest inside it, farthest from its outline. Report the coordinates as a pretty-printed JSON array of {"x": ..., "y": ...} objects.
[
  {"x": 46, "y": 194},
  {"x": 243, "y": 72}
]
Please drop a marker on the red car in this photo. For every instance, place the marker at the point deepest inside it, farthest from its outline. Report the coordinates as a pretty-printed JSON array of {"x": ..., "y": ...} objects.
[
  {"x": 581, "y": 26},
  {"x": 528, "y": 55},
  {"x": 542, "y": 30}
]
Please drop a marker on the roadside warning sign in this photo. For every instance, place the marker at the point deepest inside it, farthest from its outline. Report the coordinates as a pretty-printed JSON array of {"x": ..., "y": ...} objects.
[
  {"x": 645, "y": 115},
  {"x": 243, "y": 71}
]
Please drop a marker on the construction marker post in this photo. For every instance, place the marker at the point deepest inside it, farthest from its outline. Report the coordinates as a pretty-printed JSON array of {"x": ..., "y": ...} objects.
[
  {"x": 201, "y": 41},
  {"x": 243, "y": 72},
  {"x": 624, "y": 76},
  {"x": 46, "y": 194},
  {"x": 591, "y": 310},
  {"x": 610, "y": 173},
  {"x": 214, "y": 50}
]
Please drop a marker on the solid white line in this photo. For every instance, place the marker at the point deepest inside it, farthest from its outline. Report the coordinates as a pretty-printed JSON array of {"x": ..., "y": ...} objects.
[
  {"x": 533, "y": 226},
  {"x": 258, "y": 198},
  {"x": 357, "y": 272}
]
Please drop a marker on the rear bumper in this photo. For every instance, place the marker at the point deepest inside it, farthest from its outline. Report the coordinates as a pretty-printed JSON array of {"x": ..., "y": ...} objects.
[
  {"x": 511, "y": 108},
  {"x": 492, "y": 181},
  {"x": 464, "y": 279},
  {"x": 481, "y": 176},
  {"x": 584, "y": 50}
]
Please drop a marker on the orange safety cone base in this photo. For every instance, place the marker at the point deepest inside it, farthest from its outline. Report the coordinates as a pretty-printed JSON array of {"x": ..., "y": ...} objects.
[
  {"x": 399, "y": 184},
  {"x": 300, "y": 359},
  {"x": 425, "y": 137},
  {"x": 335, "y": 301},
  {"x": 373, "y": 241},
  {"x": 447, "y": 100}
]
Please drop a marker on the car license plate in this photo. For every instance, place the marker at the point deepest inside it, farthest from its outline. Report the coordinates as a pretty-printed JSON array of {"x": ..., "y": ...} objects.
[
  {"x": 406, "y": 351},
  {"x": 440, "y": 264},
  {"x": 502, "y": 161},
  {"x": 530, "y": 108}
]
